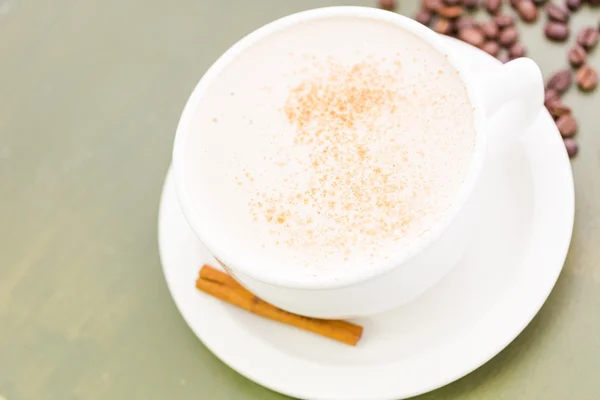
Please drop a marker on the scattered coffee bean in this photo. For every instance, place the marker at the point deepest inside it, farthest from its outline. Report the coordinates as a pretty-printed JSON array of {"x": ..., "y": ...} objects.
[
  {"x": 577, "y": 56},
  {"x": 560, "y": 81},
  {"x": 387, "y": 4},
  {"x": 471, "y": 4},
  {"x": 464, "y": 22},
  {"x": 567, "y": 125},
  {"x": 432, "y": 5},
  {"x": 471, "y": 35},
  {"x": 557, "y": 31},
  {"x": 424, "y": 16},
  {"x": 491, "y": 48},
  {"x": 571, "y": 146},
  {"x": 517, "y": 50},
  {"x": 588, "y": 38},
  {"x": 550, "y": 96},
  {"x": 489, "y": 29},
  {"x": 587, "y": 78},
  {"x": 451, "y": 12},
  {"x": 574, "y": 5},
  {"x": 558, "y": 109},
  {"x": 509, "y": 36},
  {"x": 504, "y": 20},
  {"x": 493, "y": 6},
  {"x": 557, "y": 13},
  {"x": 503, "y": 56},
  {"x": 527, "y": 10},
  {"x": 443, "y": 26}
]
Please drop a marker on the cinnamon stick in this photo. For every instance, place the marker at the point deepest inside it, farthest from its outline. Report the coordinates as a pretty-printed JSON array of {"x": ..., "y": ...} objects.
[{"x": 230, "y": 291}]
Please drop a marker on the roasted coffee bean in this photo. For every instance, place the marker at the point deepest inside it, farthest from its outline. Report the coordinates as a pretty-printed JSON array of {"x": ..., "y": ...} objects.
[
  {"x": 504, "y": 20},
  {"x": 503, "y": 57},
  {"x": 567, "y": 125},
  {"x": 489, "y": 29},
  {"x": 517, "y": 50},
  {"x": 424, "y": 16},
  {"x": 509, "y": 36},
  {"x": 560, "y": 81},
  {"x": 471, "y": 4},
  {"x": 433, "y": 5},
  {"x": 551, "y": 96},
  {"x": 557, "y": 31},
  {"x": 443, "y": 26},
  {"x": 471, "y": 35},
  {"x": 557, "y": 13},
  {"x": 558, "y": 109},
  {"x": 571, "y": 146},
  {"x": 493, "y": 6},
  {"x": 588, "y": 38},
  {"x": 451, "y": 12},
  {"x": 464, "y": 22},
  {"x": 577, "y": 56},
  {"x": 491, "y": 48},
  {"x": 587, "y": 78},
  {"x": 574, "y": 5},
  {"x": 527, "y": 10},
  {"x": 387, "y": 4}
]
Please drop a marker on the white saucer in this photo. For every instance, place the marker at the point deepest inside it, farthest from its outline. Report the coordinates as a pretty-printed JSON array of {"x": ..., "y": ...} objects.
[{"x": 466, "y": 319}]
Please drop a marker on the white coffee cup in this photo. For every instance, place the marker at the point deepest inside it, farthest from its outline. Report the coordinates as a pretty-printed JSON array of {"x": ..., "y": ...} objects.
[{"x": 373, "y": 290}]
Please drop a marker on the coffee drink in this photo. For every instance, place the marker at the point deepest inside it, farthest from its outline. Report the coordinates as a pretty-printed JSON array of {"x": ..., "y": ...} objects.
[{"x": 331, "y": 144}]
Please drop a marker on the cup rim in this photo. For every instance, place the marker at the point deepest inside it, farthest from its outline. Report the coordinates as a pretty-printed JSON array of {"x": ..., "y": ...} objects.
[{"x": 351, "y": 277}]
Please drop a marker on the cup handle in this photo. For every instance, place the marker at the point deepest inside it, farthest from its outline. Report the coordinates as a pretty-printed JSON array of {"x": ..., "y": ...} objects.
[{"x": 518, "y": 85}]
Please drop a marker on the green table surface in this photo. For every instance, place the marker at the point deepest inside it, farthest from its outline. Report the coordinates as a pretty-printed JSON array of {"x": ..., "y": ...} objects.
[{"x": 90, "y": 94}]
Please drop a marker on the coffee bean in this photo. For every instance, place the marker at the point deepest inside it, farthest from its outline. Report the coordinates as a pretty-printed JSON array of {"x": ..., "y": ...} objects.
[
  {"x": 491, "y": 48},
  {"x": 471, "y": 4},
  {"x": 387, "y": 4},
  {"x": 560, "y": 81},
  {"x": 567, "y": 125},
  {"x": 503, "y": 57},
  {"x": 587, "y": 78},
  {"x": 558, "y": 109},
  {"x": 571, "y": 146},
  {"x": 574, "y": 5},
  {"x": 489, "y": 29},
  {"x": 517, "y": 50},
  {"x": 588, "y": 38},
  {"x": 493, "y": 6},
  {"x": 557, "y": 31},
  {"x": 504, "y": 20},
  {"x": 551, "y": 96},
  {"x": 464, "y": 22},
  {"x": 471, "y": 35},
  {"x": 509, "y": 36},
  {"x": 432, "y": 5},
  {"x": 577, "y": 56},
  {"x": 557, "y": 13},
  {"x": 443, "y": 26},
  {"x": 451, "y": 12},
  {"x": 527, "y": 10}
]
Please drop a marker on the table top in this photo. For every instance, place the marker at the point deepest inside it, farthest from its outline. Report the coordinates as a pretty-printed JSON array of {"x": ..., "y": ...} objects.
[{"x": 90, "y": 94}]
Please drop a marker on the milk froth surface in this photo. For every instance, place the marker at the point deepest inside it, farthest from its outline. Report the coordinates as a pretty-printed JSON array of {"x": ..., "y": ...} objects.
[{"x": 334, "y": 143}]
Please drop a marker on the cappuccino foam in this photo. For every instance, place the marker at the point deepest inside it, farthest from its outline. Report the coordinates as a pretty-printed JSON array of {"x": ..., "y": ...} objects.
[{"x": 334, "y": 143}]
